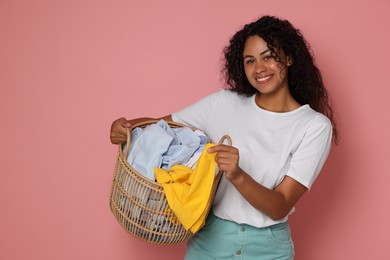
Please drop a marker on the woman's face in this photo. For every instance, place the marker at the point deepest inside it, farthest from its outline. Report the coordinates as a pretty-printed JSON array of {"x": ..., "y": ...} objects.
[{"x": 261, "y": 69}]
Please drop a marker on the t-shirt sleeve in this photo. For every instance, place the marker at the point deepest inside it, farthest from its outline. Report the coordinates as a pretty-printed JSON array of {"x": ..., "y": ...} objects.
[
  {"x": 308, "y": 159},
  {"x": 199, "y": 113}
]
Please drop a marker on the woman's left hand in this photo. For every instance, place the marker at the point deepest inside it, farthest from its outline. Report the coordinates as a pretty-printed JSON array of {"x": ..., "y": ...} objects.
[{"x": 227, "y": 159}]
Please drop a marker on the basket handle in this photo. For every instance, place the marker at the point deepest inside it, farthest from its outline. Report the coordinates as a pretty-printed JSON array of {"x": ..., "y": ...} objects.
[
  {"x": 226, "y": 137},
  {"x": 127, "y": 143}
]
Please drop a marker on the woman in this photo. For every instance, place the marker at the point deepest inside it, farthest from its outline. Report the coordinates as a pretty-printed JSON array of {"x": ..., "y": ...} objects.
[{"x": 276, "y": 110}]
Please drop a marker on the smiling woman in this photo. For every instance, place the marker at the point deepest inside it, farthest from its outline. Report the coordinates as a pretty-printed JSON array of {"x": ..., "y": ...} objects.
[
  {"x": 276, "y": 111},
  {"x": 289, "y": 49},
  {"x": 268, "y": 76}
]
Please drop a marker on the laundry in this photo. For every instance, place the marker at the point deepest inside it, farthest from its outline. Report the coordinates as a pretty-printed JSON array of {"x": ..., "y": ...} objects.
[
  {"x": 182, "y": 147},
  {"x": 188, "y": 190},
  {"x": 195, "y": 157},
  {"x": 160, "y": 146},
  {"x": 147, "y": 147}
]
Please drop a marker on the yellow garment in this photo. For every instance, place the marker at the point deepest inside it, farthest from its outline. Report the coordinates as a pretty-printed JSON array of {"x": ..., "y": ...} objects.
[{"x": 188, "y": 191}]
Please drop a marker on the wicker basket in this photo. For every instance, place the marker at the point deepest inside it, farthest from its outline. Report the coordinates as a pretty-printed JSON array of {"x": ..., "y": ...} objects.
[{"x": 139, "y": 204}]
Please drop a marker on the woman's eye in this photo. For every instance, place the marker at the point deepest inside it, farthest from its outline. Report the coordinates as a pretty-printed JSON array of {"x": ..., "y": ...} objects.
[
  {"x": 249, "y": 61},
  {"x": 267, "y": 57}
]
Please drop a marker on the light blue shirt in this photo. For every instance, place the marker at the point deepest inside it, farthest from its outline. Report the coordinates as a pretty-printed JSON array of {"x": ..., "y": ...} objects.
[{"x": 160, "y": 146}]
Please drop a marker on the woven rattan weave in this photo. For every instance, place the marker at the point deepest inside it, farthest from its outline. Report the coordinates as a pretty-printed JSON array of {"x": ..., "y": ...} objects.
[{"x": 139, "y": 204}]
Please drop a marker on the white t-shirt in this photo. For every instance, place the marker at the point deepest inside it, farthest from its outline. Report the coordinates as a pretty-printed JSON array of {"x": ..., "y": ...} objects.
[{"x": 271, "y": 145}]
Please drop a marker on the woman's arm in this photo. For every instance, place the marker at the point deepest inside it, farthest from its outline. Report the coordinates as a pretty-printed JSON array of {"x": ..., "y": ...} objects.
[
  {"x": 118, "y": 128},
  {"x": 276, "y": 203}
]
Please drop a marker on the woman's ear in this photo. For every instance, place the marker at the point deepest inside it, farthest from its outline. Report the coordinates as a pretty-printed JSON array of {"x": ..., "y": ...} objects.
[{"x": 289, "y": 61}]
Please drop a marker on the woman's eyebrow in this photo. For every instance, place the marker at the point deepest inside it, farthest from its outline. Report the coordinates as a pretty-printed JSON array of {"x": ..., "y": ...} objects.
[
  {"x": 261, "y": 53},
  {"x": 264, "y": 52}
]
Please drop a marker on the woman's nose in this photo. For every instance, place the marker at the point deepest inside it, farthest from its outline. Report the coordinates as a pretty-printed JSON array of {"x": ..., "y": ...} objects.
[{"x": 259, "y": 68}]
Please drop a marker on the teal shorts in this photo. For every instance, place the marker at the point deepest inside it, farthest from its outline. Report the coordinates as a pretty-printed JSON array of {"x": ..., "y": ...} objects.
[{"x": 223, "y": 239}]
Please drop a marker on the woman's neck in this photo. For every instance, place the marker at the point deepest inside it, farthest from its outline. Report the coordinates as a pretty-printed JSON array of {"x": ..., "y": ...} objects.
[{"x": 277, "y": 103}]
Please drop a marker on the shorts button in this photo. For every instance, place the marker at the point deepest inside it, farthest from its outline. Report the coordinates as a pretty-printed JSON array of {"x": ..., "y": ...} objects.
[
  {"x": 238, "y": 252},
  {"x": 242, "y": 229}
]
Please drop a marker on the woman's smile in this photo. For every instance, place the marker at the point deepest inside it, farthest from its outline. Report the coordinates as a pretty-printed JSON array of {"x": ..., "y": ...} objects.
[{"x": 264, "y": 80}]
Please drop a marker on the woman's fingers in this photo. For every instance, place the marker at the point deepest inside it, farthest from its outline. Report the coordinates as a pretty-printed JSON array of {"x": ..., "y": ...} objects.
[
  {"x": 222, "y": 147},
  {"x": 224, "y": 151},
  {"x": 118, "y": 133},
  {"x": 227, "y": 157}
]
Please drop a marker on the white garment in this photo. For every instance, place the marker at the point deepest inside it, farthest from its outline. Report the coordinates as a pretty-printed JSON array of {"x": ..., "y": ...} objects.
[
  {"x": 195, "y": 157},
  {"x": 271, "y": 146}
]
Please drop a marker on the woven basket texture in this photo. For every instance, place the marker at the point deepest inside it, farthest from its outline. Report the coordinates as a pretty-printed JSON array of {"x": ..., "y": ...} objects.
[{"x": 140, "y": 206}]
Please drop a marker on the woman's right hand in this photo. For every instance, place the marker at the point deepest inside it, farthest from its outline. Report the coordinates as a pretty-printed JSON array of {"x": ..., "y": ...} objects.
[{"x": 118, "y": 133}]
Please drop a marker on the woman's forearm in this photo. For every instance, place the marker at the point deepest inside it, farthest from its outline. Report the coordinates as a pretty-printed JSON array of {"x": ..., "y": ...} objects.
[{"x": 275, "y": 203}]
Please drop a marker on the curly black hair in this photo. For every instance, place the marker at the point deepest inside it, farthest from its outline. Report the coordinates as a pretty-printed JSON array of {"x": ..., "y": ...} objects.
[{"x": 304, "y": 78}]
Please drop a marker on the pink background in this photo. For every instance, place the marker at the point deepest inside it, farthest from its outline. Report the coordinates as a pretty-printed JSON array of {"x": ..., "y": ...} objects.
[{"x": 69, "y": 68}]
